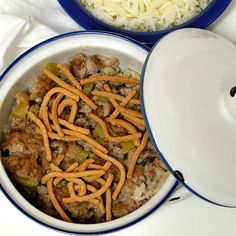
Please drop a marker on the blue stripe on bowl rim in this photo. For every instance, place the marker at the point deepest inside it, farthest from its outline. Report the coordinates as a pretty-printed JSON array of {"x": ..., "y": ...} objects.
[
  {"x": 81, "y": 16},
  {"x": 156, "y": 146},
  {"x": 11, "y": 66}
]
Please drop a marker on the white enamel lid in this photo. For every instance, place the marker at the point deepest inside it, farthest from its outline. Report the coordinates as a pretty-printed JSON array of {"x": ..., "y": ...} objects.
[{"x": 190, "y": 110}]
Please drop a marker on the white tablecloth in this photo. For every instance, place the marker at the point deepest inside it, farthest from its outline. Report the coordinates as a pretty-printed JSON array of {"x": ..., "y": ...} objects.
[{"x": 24, "y": 23}]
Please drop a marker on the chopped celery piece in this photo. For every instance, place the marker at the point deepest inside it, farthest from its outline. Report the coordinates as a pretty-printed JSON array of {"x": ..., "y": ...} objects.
[
  {"x": 98, "y": 214},
  {"x": 102, "y": 99},
  {"x": 88, "y": 88},
  {"x": 111, "y": 131},
  {"x": 6, "y": 129},
  {"x": 20, "y": 110},
  {"x": 28, "y": 182},
  {"x": 127, "y": 145},
  {"x": 84, "y": 210},
  {"x": 72, "y": 152},
  {"x": 99, "y": 131},
  {"x": 52, "y": 66},
  {"x": 152, "y": 153},
  {"x": 81, "y": 156},
  {"x": 114, "y": 202},
  {"x": 77, "y": 154},
  {"x": 22, "y": 97}
]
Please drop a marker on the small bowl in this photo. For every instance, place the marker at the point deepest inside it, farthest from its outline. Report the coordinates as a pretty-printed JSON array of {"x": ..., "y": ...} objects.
[
  {"x": 19, "y": 75},
  {"x": 81, "y": 15}
]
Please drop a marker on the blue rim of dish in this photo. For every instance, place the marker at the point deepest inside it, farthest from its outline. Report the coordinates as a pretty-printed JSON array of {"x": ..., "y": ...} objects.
[
  {"x": 155, "y": 143},
  {"x": 18, "y": 59},
  {"x": 81, "y": 16}
]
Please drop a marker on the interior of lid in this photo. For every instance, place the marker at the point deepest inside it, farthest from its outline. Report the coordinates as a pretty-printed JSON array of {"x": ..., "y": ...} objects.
[{"x": 188, "y": 100}]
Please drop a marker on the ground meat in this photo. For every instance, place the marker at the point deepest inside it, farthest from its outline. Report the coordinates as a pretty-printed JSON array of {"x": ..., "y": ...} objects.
[
  {"x": 118, "y": 131},
  {"x": 24, "y": 166},
  {"x": 102, "y": 61},
  {"x": 35, "y": 109},
  {"x": 104, "y": 110},
  {"x": 44, "y": 203},
  {"x": 116, "y": 151},
  {"x": 61, "y": 192},
  {"x": 138, "y": 170},
  {"x": 65, "y": 113},
  {"x": 125, "y": 197},
  {"x": 84, "y": 108},
  {"x": 78, "y": 65},
  {"x": 81, "y": 121},
  {"x": 20, "y": 142},
  {"x": 99, "y": 85},
  {"x": 83, "y": 66},
  {"x": 98, "y": 160},
  {"x": 120, "y": 209},
  {"x": 115, "y": 171},
  {"x": 149, "y": 171},
  {"x": 107, "y": 109},
  {"x": 84, "y": 212},
  {"x": 125, "y": 91},
  {"x": 40, "y": 87},
  {"x": 86, "y": 66},
  {"x": 59, "y": 146}
]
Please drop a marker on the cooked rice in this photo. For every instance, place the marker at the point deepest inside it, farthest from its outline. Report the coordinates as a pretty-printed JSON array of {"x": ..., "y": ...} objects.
[{"x": 147, "y": 15}]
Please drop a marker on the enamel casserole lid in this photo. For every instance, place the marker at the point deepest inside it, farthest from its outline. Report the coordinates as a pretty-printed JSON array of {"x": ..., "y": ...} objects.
[{"x": 189, "y": 104}]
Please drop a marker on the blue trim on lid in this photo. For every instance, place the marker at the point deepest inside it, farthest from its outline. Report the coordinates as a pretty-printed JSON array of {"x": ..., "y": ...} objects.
[
  {"x": 81, "y": 16},
  {"x": 11, "y": 66}
]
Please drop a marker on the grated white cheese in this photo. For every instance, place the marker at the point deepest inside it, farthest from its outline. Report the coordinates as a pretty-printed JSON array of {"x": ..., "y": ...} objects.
[{"x": 145, "y": 15}]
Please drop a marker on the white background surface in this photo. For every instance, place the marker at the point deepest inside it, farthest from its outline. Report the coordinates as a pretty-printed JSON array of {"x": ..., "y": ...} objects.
[{"x": 21, "y": 26}]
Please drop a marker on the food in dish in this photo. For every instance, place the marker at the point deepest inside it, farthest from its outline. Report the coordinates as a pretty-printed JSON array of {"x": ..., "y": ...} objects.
[
  {"x": 76, "y": 145},
  {"x": 145, "y": 16}
]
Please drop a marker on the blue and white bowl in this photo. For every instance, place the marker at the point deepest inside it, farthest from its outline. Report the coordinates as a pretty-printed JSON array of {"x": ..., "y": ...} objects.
[
  {"x": 80, "y": 15},
  {"x": 19, "y": 75}
]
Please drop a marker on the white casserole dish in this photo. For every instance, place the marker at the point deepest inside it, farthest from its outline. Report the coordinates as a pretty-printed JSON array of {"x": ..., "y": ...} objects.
[{"x": 18, "y": 76}]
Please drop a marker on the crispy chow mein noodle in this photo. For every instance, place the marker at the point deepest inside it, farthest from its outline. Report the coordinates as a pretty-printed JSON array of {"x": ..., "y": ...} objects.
[
  {"x": 51, "y": 92},
  {"x": 113, "y": 101},
  {"x": 70, "y": 88},
  {"x": 54, "y": 115},
  {"x": 71, "y": 175},
  {"x": 108, "y": 200},
  {"x": 117, "y": 79},
  {"x": 81, "y": 186},
  {"x": 136, "y": 155},
  {"x": 130, "y": 112},
  {"x": 84, "y": 165},
  {"x": 114, "y": 96},
  {"x": 123, "y": 103},
  {"x": 72, "y": 126},
  {"x": 68, "y": 170},
  {"x": 59, "y": 159},
  {"x": 69, "y": 75},
  {"x": 119, "y": 166},
  {"x": 122, "y": 123},
  {"x": 131, "y": 120},
  {"x": 106, "y": 133},
  {"x": 55, "y": 203},
  {"x": 40, "y": 124},
  {"x": 100, "y": 204},
  {"x": 68, "y": 102}
]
